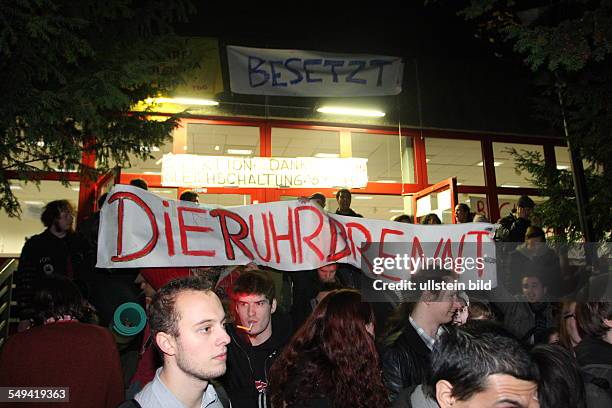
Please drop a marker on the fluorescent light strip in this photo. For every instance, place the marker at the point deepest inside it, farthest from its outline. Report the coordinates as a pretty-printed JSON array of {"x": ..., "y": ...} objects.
[
  {"x": 496, "y": 164},
  {"x": 339, "y": 110},
  {"x": 327, "y": 155},
  {"x": 188, "y": 101},
  {"x": 510, "y": 186},
  {"x": 362, "y": 197},
  {"x": 243, "y": 152}
]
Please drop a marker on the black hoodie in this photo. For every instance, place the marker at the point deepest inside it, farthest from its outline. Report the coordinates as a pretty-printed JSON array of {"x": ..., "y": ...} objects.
[{"x": 248, "y": 366}]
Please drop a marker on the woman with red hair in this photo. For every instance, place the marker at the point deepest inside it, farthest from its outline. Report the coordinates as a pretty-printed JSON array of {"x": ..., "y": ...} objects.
[{"x": 332, "y": 360}]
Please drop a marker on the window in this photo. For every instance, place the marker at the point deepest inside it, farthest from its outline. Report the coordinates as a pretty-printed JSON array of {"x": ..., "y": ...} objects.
[
  {"x": 562, "y": 156},
  {"x": 564, "y": 161},
  {"x": 305, "y": 143},
  {"x": 505, "y": 172},
  {"x": 438, "y": 203},
  {"x": 201, "y": 139},
  {"x": 454, "y": 158},
  {"x": 222, "y": 140},
  {"x": 148, "y": 166},
  {"x": 387, "y": 156}
]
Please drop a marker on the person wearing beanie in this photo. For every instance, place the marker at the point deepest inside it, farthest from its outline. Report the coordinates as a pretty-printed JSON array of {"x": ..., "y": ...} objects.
[
  {"x": 524, "y": 209},
  {"x": 152, "y": 279}
]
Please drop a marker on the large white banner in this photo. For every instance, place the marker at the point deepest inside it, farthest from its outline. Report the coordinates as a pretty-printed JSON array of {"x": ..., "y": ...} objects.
[
  {"x": 140, "y": 229},
  {"x": 188, "y": 170},
  {"x": 259, "y": 71}
]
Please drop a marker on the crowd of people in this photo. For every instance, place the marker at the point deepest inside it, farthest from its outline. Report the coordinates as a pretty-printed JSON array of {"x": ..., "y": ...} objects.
[{"x": 251, "y": 336}]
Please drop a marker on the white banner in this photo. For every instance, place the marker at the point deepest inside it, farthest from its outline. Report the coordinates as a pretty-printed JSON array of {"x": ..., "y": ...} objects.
[
  {"x": 188, "y": 170},
  {"x": 140, "y": 229},
  {"x": 259, "y": 71}
]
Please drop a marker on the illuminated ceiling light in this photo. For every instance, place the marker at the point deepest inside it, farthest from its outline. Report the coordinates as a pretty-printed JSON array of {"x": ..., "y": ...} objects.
[
  {"x": 40, "y": 144},
  {"x": 427, "y": 160},
  {"x": 560, "y": 167},
  {"x": 396, "y": 211},
  {"x": 36, "y": 203},
  {"x": 510, "y": 186},
  {"x": 217, "y": 148},
  {"x": 496, "y": 164},
  {"x": 387, "y": 181},
  {"x": 362, "y": 197},
  {"x": 151, "y": 172},
  {"x": 187, "y": 101},
  {"x": 13, "y": 187},
  {"x": 327, "y": 155},
  {"x": 243, "y": 152},
  {"x": 339, "y": 110}
]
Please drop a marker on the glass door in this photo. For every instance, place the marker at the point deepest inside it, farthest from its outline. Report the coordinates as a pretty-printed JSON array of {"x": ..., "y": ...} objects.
[{"x": 439, "y": 199}]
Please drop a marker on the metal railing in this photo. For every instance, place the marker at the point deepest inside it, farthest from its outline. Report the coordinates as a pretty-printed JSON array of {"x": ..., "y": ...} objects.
[{"x": 7, "y": 269}]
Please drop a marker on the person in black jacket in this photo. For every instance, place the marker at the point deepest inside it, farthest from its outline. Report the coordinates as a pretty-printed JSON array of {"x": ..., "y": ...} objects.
[
  {"x": 406, "y": 351},
  {"x": 594, "y": 353},
  {"x": 54, "y": 251},
  {"x": 343, "y": 196},
  {"x": 477, "y": 365},
  {"x": 308, "y": 284},
  {"x": 259, "y": 333},
  {"x": 513, "y": 228}
]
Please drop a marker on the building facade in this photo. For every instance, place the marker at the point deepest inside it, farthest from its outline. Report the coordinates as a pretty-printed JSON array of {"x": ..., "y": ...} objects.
[{"x": 444, "y": 139}]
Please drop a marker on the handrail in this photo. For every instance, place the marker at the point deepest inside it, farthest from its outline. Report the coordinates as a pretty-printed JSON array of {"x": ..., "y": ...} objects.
[{"x": 7, "y": 268}]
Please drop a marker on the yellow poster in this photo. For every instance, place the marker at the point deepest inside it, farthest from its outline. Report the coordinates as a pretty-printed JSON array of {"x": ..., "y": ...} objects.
[{"x": 205, "y": 81}]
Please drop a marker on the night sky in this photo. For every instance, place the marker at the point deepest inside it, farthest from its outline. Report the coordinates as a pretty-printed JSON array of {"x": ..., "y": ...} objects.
[{"x": 412, "y": 30}]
